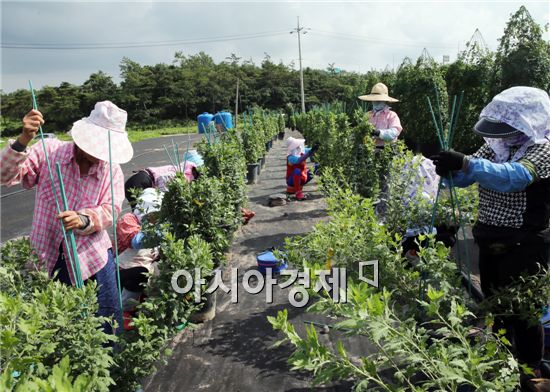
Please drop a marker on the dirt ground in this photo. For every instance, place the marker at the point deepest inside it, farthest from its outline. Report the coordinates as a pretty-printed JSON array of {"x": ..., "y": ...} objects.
[{"x": 233, "y": 351}]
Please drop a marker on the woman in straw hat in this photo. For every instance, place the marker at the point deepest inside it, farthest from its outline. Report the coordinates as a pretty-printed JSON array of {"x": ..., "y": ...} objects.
[
  {"x": 512, "y": 170},
  {"x": 386, "y": 122},
  {"x": 297, "y": 173},
  {"x": 84, "y": 165}
]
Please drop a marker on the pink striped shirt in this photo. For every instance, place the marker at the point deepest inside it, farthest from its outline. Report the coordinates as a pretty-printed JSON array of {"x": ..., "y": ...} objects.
[
  {"x": 385, "y": 119},
  {"x": 89, "y": 195},
  {"x": 162, "y": 175}
]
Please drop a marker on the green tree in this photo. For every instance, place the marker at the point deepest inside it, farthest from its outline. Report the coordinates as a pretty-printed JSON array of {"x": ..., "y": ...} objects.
[
  {"x": 98, "y": 87},
  {"x": 413, "y": 85},
  {"x": 136, "y": 90},
  {"x": 470, "y": 73},
  {"x": 523, "y": 56}
]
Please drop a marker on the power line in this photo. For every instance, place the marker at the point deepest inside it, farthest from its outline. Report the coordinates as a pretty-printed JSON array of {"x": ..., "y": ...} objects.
[
  {"x": 127, "y": 45},
  {"x": 220, "y": 38},
  {"x": 383, "y": 41}
]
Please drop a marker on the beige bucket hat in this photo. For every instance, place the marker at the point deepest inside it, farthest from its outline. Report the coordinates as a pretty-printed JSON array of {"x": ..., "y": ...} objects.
[
  {"x": 91, "y": 134},
  {"x": 379, "y": 92}
]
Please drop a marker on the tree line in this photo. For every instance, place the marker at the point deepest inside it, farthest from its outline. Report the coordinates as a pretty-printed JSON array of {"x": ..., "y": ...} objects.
[{"x": 192, "y": 84}]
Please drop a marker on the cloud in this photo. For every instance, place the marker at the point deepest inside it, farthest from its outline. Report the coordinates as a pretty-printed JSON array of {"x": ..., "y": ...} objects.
[{"x": 394, "y": 29}]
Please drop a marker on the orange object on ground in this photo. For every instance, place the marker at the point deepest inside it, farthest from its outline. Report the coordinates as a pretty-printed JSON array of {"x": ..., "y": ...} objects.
[{"x": 247, "y": 215}]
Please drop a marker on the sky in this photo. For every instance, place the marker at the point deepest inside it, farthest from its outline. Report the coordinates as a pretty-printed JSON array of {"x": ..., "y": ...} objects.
[{"x": 354, "y": 36}]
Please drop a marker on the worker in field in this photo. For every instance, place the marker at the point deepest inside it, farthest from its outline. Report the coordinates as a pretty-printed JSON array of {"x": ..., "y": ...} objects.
[
  {"x": 84, "y": 165},
  {"x": 159, "y": 176},
  {"x": 137, "y": 263},
  {"x": 385, "y": 121},
  {"x": 297, "y": 173},
  {"x": 512, "y": 170}
]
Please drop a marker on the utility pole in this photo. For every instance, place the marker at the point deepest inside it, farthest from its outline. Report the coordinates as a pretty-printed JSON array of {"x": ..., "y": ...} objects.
[
  {"x": 237, "y": 104},
  {"x": 298, "y": 30}
]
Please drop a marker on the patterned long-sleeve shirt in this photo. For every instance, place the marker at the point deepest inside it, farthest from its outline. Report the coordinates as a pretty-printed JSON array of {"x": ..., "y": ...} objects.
[
  {"x": 387, "y": 121},
  {"x": 89, "y": 195},
  {"x": 162, "y": 175}
]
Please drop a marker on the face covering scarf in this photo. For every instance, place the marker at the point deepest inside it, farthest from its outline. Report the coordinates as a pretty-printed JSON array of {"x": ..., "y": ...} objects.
[
  {"x": 378, "y": 106},
  {"x": 526, "y": 109},
  {"x": 501, "y": 147}
]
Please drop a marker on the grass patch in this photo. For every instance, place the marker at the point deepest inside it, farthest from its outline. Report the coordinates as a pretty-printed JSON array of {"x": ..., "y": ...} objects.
[{"x": 135, "y": 135}]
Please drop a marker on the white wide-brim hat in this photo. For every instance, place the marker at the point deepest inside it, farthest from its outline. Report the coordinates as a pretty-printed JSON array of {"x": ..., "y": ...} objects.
[
  {"x": 378, "y": 93},
  {"x": 91, "y": 134},
  {"x": 149, "y": 201},
  {"x": 293, "y": 144}
]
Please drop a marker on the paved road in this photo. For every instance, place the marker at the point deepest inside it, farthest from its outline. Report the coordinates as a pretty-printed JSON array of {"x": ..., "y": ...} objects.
[{"x": 17, "y": 204}]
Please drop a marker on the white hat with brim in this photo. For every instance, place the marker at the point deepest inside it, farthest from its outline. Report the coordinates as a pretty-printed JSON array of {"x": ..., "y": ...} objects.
[
  {"x": 379, "y": 93},
  {"x": 149, "y": 201},
  {"x": 91, "y": 134},
  {"x": 293, "y": 144}
]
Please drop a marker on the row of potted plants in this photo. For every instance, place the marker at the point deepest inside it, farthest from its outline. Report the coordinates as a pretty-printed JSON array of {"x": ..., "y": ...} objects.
[
  {"x": 259, "y": 130},
  {"x": 50, "y": 333},
  {"x": 419, "y": 319}
]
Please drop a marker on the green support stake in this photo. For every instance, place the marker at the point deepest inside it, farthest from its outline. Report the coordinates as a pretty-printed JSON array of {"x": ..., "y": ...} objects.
[
  {"x": 185, "y": 156},
  {"x": 206, "y": 133},
  {"x": 52, "y": 181},
  {"x": 445, "y": 144},
  {"x": 113, "y": 213},
  {"x": 78, "y": 277},
  {"x": 439, "y": 109},
  {"x": 441, "y": 144},
  {"x": 452, "y": 133},
  {"x": 448, "y": 138},
  {"x": 169, "y": 157},
  {"x": 176, "y": 156}
]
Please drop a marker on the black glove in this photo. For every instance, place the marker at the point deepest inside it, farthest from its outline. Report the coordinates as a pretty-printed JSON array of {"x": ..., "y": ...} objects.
[
  {"x": 375, "y": 133},
  {"x": 447, "y": 161},
  {"x": 442, "y": 172},
  {"x": 196, "y": 173},
  {"x": 314, "y": 149}
]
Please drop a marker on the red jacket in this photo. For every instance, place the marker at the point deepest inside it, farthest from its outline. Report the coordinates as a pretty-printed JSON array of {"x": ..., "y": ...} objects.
[{"x": 291, "y": 167}]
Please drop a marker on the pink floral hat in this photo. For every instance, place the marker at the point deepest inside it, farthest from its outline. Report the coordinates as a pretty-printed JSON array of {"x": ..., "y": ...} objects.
[{"x": 91, "y": 134}]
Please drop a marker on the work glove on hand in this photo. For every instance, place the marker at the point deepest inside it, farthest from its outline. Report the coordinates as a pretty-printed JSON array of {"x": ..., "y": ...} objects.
[
  {"x": 314, "y": 149},
  {"x": 448, "y": 161},
  {"x": 196, "y": 173},
  {"x": 375, "y": 133},
  {"x": 71, "y": 220}
]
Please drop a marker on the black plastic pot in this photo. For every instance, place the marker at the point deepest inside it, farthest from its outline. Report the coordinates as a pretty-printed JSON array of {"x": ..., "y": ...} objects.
[
  {"x": 262, "y": 162},
  {"x": 260, "y": 166},
  {"x": 208, "y": 308},
  {"x": 252, "y": 173},
  {"x": 268, "y": 145},
  {"x": 281, "y": 135}
]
